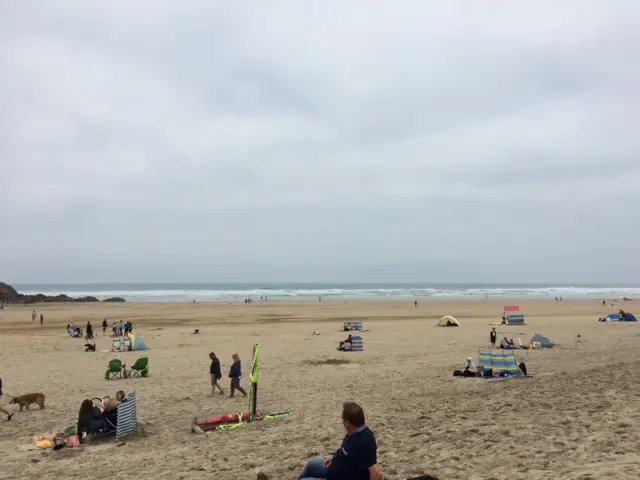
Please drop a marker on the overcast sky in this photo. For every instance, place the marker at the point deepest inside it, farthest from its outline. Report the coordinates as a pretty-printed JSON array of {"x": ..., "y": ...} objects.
[{"x": 319, "y": 141}]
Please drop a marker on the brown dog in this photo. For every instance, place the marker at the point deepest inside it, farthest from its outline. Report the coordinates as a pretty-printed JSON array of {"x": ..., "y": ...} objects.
[{"x": 28, "y": 399}]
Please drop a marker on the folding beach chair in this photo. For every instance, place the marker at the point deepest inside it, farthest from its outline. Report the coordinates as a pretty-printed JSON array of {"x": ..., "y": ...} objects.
[
  {"x": 140, "y": 368},
  {"x": 126, "y": 344},
  {"x": 114, "y": 370},
  {"x": 100, "y": 423}
]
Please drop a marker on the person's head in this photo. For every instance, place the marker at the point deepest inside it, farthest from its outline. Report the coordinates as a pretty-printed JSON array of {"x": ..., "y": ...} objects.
[
  {"x": 212, "y": 356},
  {"x": 352, "y": 416},
  {"x": 236, "y": 357},
  {"x": 119, "y": 395},
  {"x": 468, "y": 359}
]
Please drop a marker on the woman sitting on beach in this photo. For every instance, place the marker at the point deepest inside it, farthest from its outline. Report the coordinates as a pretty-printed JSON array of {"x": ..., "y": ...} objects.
[
  {"x": 469, "y": 369},
  {"x": 111, "y": 404}
]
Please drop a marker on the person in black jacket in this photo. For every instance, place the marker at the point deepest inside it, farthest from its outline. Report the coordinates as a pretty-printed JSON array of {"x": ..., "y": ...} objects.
[
  {"x": 493, "y": 336},
  {"x": 216, "y": 374}
]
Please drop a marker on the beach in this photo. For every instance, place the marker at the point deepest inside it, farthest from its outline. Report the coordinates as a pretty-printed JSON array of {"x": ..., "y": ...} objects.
[{"x": 578, "y": 418}]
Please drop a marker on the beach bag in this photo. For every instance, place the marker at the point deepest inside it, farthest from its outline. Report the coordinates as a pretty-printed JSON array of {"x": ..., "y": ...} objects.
[{"x": 457, "y": 373}]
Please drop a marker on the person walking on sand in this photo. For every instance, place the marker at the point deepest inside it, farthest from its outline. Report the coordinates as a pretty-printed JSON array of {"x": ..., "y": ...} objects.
[
  {"x": 356, "y": 459},
  {"x": 41, "y": 319},
  {"x": 493, "y": 335},
  {"x": 215, "y": 373},
  {"x": 235, "y": 374},
  {"x": 6, "y": 412},
  {"x": 33, "y": 316},
  {"x": 104, "y": 326}
]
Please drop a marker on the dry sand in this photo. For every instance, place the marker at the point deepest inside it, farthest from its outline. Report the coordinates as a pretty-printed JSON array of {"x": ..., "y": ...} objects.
[{"x": 578, "y": 419}]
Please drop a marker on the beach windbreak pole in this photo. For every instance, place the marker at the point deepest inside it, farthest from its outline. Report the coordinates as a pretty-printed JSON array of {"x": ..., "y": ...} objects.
[{"x": 253, "y": 389}]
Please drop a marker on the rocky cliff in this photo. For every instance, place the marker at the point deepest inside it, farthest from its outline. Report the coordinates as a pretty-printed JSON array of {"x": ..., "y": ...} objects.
[{"x": 8, "y": 294}]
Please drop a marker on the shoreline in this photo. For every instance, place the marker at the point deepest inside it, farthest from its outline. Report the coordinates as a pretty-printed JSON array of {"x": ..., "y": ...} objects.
[{"x": 343, "y": 300}]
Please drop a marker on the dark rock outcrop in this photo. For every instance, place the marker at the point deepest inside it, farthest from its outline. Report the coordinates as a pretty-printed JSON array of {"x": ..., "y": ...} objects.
[
  {"x": 8, "y": 294},
  {"x": 114, "y": 299}
]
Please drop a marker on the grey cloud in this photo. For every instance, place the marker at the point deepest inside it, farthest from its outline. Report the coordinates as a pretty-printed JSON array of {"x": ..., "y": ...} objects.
[{"x": 206, "y": 141}]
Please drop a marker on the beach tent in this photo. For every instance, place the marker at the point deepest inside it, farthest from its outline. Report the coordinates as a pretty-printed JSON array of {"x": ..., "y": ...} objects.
[
  {"x": 137, "y": 343},
  {"x": 616, "y": 317},
  {"x": 448, "y": 321},
  {"x": 544, "y": 341}
]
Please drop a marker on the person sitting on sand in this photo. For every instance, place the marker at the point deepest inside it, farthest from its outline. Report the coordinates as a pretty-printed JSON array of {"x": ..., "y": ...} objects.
[
  {"x": 6, "y": 412},
  {"x": 523, "y": 367},
  {"x": 344, "y": 344},
  {"x": 357, "y": 457},
  {"x": 505, "y": 344},
  {"x": 469, "y": 369},
  {"x": 111, "y": 404}
]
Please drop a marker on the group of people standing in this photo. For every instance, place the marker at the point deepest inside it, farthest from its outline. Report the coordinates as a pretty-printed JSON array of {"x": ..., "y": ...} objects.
[
  {"x": 119, "y": 328},
  {"x": 235, "y": 374}
]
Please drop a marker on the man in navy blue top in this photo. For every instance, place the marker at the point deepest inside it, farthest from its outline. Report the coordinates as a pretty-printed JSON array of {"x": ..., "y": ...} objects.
[{"x": 356, "y": 459}]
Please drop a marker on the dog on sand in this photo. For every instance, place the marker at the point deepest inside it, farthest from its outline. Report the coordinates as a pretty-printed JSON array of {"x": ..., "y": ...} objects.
[{"x": 28, "y": 399}]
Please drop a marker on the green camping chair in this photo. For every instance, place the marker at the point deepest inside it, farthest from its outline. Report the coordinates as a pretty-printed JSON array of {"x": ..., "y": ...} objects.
[
  {"x": 115, "y": 369},
  {"x": 140, "y": 368}
]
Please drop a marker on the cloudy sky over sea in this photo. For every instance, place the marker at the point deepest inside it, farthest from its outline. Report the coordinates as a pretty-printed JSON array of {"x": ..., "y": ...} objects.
[{"x": 211, "y": 141}]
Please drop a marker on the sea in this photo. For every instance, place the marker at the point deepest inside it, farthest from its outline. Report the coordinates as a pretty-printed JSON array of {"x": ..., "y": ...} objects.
[{"x": 213, "y": 292}]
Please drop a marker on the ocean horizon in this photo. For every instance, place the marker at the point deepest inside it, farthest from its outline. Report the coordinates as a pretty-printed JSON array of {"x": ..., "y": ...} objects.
[{"x": 211, "y": 292}]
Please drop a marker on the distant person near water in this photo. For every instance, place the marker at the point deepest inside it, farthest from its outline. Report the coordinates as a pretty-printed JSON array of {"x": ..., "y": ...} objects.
[
  {"x": 104, "y": 326},
  {"x": 493, "y": 335},
  {"x": 356, "y": 459},
  {"x": 41, "y": 319},
  {"x": 33, "y": 316}
]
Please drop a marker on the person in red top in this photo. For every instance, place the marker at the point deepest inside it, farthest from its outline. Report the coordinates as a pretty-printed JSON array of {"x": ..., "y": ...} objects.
[{"x": 6, "y": 412}]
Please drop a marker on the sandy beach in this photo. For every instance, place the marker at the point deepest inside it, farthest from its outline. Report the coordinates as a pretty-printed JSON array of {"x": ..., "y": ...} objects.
[{"x": 579, "y": 418}]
